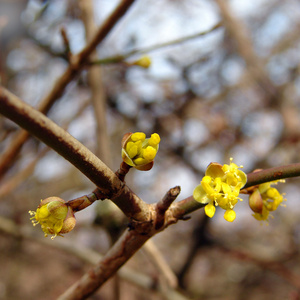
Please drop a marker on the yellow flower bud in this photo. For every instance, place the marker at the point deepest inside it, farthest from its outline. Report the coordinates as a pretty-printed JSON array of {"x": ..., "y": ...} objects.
[
  {"x": 54, "y": 216},
  {"x": 144, "y": 62},
  {"x": 256, "y": 201},
  {"x": 139, "y": 152}
]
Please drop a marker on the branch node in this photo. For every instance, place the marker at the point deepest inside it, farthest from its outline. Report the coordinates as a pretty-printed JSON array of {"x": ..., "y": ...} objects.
[{"x": 163, "y": 205}]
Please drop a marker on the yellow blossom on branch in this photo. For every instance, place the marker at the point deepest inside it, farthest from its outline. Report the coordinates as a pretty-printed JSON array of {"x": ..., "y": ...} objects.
[
  {"x": 139, "y": 151},
  {"x": 54, "y": 216},
  {"x": 265, "y": 199},
  {"x": 221, "y": 186}
]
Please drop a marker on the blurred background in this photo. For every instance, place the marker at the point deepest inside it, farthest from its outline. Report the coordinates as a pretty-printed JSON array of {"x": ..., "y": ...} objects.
[{"x": 231, "y": 92}]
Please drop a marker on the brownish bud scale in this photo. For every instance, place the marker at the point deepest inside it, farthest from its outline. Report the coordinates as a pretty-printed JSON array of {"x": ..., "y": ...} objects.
[{"x": 256, "y": 201}]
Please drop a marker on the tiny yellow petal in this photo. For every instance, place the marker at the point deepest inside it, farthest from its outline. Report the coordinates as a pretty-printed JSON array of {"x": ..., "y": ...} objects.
[
  {"x": 229, "y": 215},
  {"x": 140, "y": 161},
  {"x": 149, "y": 153},
  {"x": 210, "y": 210},
  {"x": 200, "y": 195},
  {"x": 154, "y": 140},
  {"x": 138, "y": 136}
]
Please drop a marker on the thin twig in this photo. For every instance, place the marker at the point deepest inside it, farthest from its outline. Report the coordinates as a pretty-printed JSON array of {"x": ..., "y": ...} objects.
[
  {"x": 164, "y": 204},
  {"x": 122, "y": 57},
  {"x": 66, "y": 41},
  {"x": 160, "y": 263}
]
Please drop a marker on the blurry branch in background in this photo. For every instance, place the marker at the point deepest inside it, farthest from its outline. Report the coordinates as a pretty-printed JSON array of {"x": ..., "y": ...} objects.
[
  {"x": 122, "y": 57},
  {"x": 9, "y": 184},
  {"x": 95, "y": 82},
  {"x": 274, "y": 266},
  {"x": 241, "y": 37},
  {"x": 78, "y": 62},
  {"x": 164, "y": 270},
  {"x": 12, "y": 183}
]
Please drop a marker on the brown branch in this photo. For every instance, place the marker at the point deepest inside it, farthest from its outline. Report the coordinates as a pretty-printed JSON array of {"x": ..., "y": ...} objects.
[
  {"x": 77, "y": 154},
  {"x": 123, "y": 171},
  {"x": 164, "y": 204},
  {"x": 78, "y": 61},
  {"x": 115, "y": 258},
  {"x": 66, "y": 41}
]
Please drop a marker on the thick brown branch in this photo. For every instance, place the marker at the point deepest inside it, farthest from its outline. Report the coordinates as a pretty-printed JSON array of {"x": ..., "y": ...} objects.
[
  {"x": 117, "y": 256},
  {"x": 68, "y": 147}
]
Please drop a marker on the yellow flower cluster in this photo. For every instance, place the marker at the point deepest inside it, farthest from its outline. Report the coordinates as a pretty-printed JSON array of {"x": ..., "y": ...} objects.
[
  {"x": 220, "y": 187},
  {"x": 139, "y": 152},
  {"x": 265, "y": 199},
  {"x": 54, "y": 216}
]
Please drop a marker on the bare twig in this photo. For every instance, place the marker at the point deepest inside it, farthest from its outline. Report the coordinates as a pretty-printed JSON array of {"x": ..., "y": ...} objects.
[
  {"x": 66, "y": 42},
  {"x": 164, "y": 204},
  {"x": 122, "y": 57},
  {"x": 160, "y": 263}
]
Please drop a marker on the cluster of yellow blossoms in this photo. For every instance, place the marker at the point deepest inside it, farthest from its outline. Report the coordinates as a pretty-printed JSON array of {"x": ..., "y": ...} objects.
[
  {"x": 220, "y": 187},
  {"x": 54, "y": 216},
  {"x": 139, "y": 152},
  {"x": 265, "y": 199}
]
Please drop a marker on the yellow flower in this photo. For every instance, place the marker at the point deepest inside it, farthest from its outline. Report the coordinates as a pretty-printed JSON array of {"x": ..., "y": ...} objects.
[
  {"x": 139, "y": 151},
  {"x": 221, "y": 187},
  {"x": 265, "y": 199},
  {"x": 54, "y": 216}
]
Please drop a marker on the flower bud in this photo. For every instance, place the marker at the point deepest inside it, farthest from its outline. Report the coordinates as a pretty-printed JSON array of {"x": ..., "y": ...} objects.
[
  {"x": 144, "y": 62},
  {"x": 139, "y": 151},
  {"x": 54, "y": 215},
  {"x": 256, "y": 201}
]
